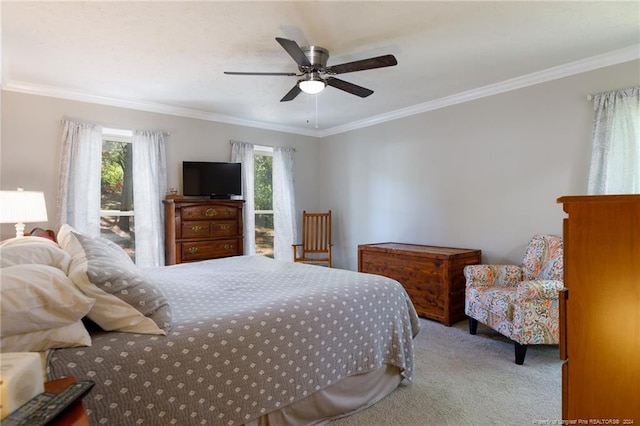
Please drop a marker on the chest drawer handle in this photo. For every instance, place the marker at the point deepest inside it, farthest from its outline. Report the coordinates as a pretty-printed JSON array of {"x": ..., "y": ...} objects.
[
  {"x": 196, "y": 228},
  {"x": 228, "y": 246},
  {"x": 225, "y": 227},
  {"x": 210, "y": 212},
  {"x": 193, "y": 250}
]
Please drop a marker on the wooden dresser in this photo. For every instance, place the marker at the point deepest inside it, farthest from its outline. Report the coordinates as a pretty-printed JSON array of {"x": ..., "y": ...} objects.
[
  {"x": 432, "y": 276},
  {"x": 600, "y": 310},
  {"x": 202, "y": 229}
]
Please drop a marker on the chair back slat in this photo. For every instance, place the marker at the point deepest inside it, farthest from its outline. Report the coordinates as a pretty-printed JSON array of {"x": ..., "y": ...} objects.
[{"x": 316, "y": 232}]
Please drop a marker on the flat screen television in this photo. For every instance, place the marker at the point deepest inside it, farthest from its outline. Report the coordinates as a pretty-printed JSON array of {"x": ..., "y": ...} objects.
[{"x": 210, "y": 179}]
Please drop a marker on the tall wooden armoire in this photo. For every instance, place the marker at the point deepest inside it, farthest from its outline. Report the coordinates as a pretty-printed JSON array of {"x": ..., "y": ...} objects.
[{"x": 600, "y": 309}]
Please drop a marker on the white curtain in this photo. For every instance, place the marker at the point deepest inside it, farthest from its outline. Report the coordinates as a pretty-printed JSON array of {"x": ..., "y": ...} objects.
[
  {"x": 615, "y": 161},
  {"x": 242, "y": 152},
  {"x": 78, "y": 198},
  {"x": 284, "y": 206},
  {"x": 149, "y": 188}
]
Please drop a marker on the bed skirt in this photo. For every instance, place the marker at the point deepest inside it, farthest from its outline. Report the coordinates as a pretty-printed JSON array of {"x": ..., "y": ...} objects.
[{"x": 337, "y": 400}]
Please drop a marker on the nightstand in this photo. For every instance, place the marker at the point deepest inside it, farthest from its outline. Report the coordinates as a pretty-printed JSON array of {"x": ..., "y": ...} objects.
[{"x": 75, "y": 415}]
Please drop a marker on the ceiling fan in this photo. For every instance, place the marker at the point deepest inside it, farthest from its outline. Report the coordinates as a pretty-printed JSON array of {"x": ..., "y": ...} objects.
[{"x": 316, "y": 75}]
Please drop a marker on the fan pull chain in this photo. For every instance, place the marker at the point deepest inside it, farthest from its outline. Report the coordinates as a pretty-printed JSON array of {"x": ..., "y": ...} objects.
[
  {"x": 309, "y": 110},
  {"x": 316, "y": 126}
]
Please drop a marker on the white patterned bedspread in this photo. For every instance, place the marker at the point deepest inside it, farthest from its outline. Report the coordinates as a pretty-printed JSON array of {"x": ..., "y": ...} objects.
[{"x": 250, "y": 335}]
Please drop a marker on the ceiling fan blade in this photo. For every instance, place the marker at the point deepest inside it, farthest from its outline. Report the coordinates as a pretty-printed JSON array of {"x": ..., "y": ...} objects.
[
  {"x": 288, "y": 74},
  {"x": 364, "y": 64},
  {"x": 295, "y": 91},
  {"x": 294, "y": 51},
  {"x": 354, "y": 89}
]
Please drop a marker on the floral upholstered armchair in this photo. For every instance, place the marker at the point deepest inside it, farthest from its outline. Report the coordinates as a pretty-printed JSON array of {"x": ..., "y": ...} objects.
[{"x": 520, "y": 302}]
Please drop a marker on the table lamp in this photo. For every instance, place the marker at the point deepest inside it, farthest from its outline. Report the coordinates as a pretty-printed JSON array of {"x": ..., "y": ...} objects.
[{"x": 21, "y": 207}]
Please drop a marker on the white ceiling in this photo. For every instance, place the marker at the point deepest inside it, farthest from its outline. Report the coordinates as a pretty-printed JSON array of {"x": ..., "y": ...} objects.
[{"x": 170, "y": 56}]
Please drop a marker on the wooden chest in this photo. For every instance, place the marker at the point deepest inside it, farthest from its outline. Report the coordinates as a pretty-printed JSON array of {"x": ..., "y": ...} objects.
[
  {"x": 432, "y": 276},
  {"x": 202, "y": 229}
]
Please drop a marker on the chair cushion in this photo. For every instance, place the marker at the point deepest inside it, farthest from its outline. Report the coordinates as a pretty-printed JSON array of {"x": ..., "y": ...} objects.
[
  {"x": 543, "y": 258},
  {"x": 497, "y": 300},
  {"x": 552, "y": 269},
  {"x": 492, "y": 275}
]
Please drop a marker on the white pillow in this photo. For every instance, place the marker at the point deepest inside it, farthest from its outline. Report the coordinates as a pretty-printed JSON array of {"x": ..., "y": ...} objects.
[
  {"x": 125, "y": 299},
  {"x": 39, "y": 297},
  {"x": 68, "y": 336},
  {"x": 20, "y": 251}
]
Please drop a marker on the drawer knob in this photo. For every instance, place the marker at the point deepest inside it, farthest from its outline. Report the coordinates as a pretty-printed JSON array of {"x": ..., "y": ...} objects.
[
  {"x": 193, "y": 250},
  {"x": 225, "y": 227},
  {"x": 228, "y": 246},
  {"x": 196, "y": 228},
  {"x": 210, "y": 212}
]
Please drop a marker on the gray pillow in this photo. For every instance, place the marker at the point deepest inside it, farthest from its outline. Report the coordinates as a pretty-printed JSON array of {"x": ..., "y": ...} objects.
[{"x": 103, "y": 270}]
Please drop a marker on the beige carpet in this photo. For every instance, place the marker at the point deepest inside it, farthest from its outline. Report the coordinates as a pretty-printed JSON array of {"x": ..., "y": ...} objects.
[{"x": 462, "y": 379}]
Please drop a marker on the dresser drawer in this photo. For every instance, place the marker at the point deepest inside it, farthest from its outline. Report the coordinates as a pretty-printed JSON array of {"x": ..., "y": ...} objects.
[
  {"x": 209, "y": 212},
  {"x": 224, "y": 228},
  {"x": 212, "y": 228},
  {"x": 196, "y": 229},
  {"x": 209, "y": 249}
]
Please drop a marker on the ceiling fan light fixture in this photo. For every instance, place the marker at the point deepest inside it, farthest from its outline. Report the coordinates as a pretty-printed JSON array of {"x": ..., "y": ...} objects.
[
  {"x": 312, "y": 62},
  {"x": 312, "y": 85}
]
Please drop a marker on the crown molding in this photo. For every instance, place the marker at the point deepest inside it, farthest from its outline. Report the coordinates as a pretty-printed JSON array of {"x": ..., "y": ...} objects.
[
  {"x": 55, "y": 92},
  {"x": 619, "y": 56},
  {"x": 615, "y": 57}
]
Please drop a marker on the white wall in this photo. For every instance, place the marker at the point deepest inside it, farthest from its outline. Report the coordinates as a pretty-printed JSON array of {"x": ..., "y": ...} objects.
[
  {"x": 32, "y": 131},
  {"x": 485, "y": 174}
]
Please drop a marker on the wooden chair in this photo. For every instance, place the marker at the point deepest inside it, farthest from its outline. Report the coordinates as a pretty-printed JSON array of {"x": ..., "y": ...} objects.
[{"x": 316, "y": 239}]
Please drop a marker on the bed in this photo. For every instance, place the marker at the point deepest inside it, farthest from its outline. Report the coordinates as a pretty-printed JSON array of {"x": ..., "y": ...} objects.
[{"x": 240, "y": 340}]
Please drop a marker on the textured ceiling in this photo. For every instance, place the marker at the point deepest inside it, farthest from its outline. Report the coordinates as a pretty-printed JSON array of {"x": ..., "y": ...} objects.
[{"x": 170, "y": 56}]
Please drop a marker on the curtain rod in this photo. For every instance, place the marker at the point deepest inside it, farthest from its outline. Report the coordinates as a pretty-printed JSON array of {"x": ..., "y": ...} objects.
[
  {"x": 109, "y": 126},
  {"x": 593, "y": 95},
  {"x": 267, "y": 146}
]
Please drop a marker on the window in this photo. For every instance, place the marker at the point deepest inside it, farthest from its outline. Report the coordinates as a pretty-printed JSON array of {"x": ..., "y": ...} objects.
[
  {"x": 80, "y": 189},
  {"x": 263, "y": 199},
  {"x": 116, "y": 190}
]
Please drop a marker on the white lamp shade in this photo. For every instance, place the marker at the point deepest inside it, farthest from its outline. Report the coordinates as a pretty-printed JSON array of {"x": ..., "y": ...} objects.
[
  {"x": 311, "y": 87},
  {"x": 22, "y": 206}
]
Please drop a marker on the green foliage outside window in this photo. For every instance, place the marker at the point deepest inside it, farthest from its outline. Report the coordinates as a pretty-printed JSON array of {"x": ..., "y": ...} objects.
[
  {"x": 117, "y": 179},
  {"x": 112, "y": 173},
  {"x": 262, "y": 181},
  {"x": 263, "y": 198}
]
